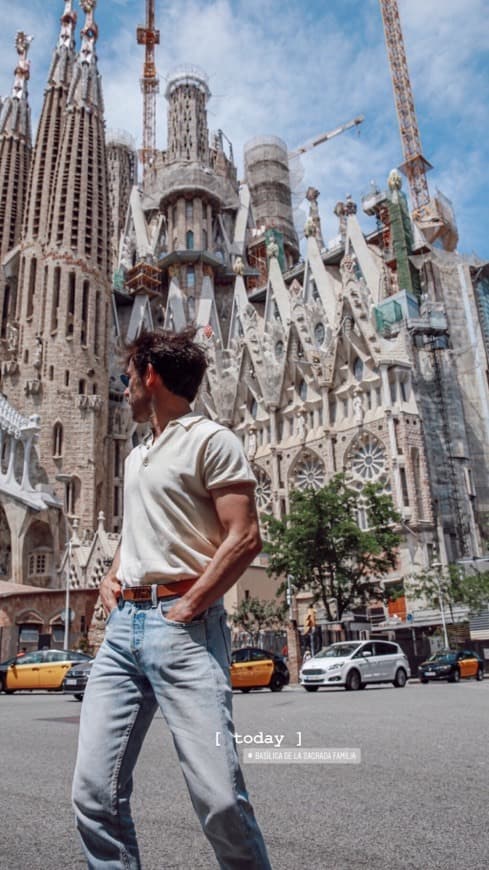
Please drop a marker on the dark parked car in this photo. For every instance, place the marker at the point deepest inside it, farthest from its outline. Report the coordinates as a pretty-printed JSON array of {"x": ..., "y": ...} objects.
[
  {"x": 254, "y": 668},
  {"x": 452, "y": 665},
  {"x": 76, "y": 679}
]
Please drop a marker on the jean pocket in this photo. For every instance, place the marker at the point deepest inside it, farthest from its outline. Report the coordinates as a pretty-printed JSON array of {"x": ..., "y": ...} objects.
[
  {"x": 111, "y": 614},
  {"x": 198, "y": 620},
  {"x": 226, "y": 636}
]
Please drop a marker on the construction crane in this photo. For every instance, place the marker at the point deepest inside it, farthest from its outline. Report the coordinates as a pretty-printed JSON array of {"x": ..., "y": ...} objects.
[
  {"x": 150, "y": 86},
  {"x": 433, "y": 216},
  {"x": 325, "y": 136}
]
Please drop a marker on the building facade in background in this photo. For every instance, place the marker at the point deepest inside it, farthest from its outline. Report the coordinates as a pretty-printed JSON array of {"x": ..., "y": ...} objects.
[{"x": 367, "y": 355}]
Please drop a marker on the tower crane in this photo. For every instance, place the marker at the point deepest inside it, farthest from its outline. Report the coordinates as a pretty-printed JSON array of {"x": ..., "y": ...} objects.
[
  {"x": 435, "y": 220},
  {"x": 150, "y": 85},
  {"x": 325, "y": 136}
]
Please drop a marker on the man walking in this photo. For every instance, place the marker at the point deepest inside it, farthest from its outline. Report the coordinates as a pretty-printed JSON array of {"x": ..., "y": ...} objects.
[{"x": 190, "y": 529}]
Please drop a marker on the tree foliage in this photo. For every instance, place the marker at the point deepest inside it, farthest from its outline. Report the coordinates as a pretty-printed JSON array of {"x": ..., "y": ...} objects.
[
  {"x": 454, "y": 586},
  {"x": 253, "y": 616},
  {"x": 320, "y": 545}
]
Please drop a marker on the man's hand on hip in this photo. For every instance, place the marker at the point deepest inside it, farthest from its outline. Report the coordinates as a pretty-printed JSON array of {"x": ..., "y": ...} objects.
[{"x": 110, "y": 590}]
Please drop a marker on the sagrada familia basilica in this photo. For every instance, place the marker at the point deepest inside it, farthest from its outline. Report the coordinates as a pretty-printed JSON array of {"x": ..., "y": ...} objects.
[{"x": 367, "y": 355}]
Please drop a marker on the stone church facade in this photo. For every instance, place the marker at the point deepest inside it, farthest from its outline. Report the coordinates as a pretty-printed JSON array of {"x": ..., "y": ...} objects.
[{"x": 368, "y": 355}]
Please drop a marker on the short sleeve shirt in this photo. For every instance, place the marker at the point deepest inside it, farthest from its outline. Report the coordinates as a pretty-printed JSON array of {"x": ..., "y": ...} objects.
[{"x": 170, "y": 528}]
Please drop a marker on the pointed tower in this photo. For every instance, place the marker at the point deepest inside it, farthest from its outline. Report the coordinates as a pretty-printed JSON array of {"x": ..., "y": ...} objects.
[
  {"x": 15, "y": 151},
  {"x": 64, "y": 298},
  {"x": 50, "y": 129},
  {"x": 24, "y": 269}
]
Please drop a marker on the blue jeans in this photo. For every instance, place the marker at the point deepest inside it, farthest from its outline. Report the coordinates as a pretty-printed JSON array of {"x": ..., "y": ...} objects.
[{"x": 147, "y": 661}]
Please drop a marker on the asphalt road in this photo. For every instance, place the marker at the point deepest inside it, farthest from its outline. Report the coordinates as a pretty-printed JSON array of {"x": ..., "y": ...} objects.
[{"x": 417, "y": 800}]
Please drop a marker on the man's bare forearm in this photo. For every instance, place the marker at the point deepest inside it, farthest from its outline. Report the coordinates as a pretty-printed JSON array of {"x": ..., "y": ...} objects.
[
  {"x": 110, "y": 586},
  {"x": 231, "y": 559}
]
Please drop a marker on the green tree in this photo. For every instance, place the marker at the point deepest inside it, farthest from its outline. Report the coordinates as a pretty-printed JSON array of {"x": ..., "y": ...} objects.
[
  {"x": 323, "y": 549},
  {"x": 253, "y": 616},
  {"x": 454, "y": 585}
]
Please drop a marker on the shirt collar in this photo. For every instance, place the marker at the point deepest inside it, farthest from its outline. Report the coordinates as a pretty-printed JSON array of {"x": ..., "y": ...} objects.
[{"x": 186, "y": 420}]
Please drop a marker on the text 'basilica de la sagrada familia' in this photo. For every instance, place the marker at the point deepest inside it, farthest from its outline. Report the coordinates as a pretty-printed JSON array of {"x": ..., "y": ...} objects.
[{"x": 367, "y": 355}]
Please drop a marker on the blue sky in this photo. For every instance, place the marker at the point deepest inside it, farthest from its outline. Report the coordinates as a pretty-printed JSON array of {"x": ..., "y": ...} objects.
[{"x": 296, "y": 68}]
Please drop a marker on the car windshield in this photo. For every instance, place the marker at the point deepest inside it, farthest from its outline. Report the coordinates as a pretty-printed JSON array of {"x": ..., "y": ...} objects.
[
  {"x": 443, "y": 658},
  {"x": 338, "y": 650}
]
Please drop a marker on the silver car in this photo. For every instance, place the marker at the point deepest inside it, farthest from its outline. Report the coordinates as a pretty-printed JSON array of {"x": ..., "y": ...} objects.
[{"x": 355, "y": 664}]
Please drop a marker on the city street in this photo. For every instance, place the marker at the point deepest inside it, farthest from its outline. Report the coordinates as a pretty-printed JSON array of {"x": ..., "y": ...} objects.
[{"x": 417, "y": 800}]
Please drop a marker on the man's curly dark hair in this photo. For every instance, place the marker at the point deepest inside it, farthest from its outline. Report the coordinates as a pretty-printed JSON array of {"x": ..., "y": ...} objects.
[{"x": 175, "y": 356}]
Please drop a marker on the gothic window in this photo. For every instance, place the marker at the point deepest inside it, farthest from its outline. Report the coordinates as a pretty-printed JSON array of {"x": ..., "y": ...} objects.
[
  {"x": 302, "y": 390},
  {"x": 367, "y": 458},
  {"x": 72, "y": 495},
  {"x": 39, "y": 563},
  {"x": 5, "y": 310},
  {"x": 57, "y": 440},
  {"x": 253, "y": 408},
  {"x": 32, "y": 286},
  {"x": 190, "y": 240},
  {"x": 70, "y": 312},
  {"x": 190, "y": 278},
  {"x": 84, "y": 320},
  {"x": 204, "y": 240},
  {"x": 404, "y": 486},
  {"x": 55, "y": 298},
  {"x": 189, "y": 210},
  {"x": 82, "y": 387},
  {"x": 263, "y": 491},
  {"x": 319, "y": 334},
  {"x": 67, "y": 378},
  {"x": 279, "y": 349},
  {"x": 308, "y": 472}
]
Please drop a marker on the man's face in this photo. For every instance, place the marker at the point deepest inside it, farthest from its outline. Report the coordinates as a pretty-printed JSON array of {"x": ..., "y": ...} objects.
[{"x": 138, "y": 396}]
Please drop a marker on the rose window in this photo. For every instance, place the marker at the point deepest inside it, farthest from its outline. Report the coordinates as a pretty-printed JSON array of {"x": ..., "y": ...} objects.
[
  {"x": 367, "y": 458},
  {"x": 263, "y": 491},
  {"x": 309, "y": 473}
]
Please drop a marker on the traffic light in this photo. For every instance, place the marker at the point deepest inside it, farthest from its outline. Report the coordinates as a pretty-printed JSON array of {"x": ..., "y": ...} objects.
[{"x": 310, "y": 621}]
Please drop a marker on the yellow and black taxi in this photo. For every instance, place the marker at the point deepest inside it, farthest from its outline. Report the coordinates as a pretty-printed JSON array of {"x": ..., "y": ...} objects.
[
  {"x": 452, "y": 665},
  {"x": 254, "y": 668},
  {"x": 40, "y": 669}
]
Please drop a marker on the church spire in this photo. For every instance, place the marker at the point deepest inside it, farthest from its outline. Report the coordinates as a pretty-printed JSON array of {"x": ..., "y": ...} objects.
[
  {"x": 85, "y": 90},
  {"x": 49, "y": 130},
  {"x": 15, "y": 150}
]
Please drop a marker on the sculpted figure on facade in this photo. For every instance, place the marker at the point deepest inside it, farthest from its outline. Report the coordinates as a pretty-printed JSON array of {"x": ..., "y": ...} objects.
[
  {"x": 252, "y": 443},
  {"x": 358, "y": 412}
]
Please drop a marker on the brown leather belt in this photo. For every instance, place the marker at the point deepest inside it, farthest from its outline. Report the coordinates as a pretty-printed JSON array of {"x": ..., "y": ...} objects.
[{"x": 163, "y": 590}]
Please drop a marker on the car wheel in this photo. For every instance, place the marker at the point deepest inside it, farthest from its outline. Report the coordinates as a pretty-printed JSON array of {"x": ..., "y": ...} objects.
[
  {"x": 363, "y": 685},
  {"x": 79, "y": 696},
  {"x": 400, "y": 679},
  {"x": 424, "y": 680},
  {"x": 480, "y": 674},
  {"x": 311, "y": 688},
  {"x": 353, "y": 681},
  {"x": 455, "y": 678},
  {"x": 276, "y": 684}
]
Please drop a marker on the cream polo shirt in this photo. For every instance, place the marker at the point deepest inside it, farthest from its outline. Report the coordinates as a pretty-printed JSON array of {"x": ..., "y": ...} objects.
[{"x": 170, "y": 529}]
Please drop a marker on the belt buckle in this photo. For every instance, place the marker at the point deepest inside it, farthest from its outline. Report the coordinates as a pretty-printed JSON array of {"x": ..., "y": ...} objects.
[{"x": 141, "y": 594}]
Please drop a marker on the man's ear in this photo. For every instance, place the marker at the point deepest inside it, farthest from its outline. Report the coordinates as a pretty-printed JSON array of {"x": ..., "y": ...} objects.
[{"x": 150, "y": 377}]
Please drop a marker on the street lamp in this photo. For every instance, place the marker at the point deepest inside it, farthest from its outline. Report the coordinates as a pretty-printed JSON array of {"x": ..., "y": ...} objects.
[
  {"x": 436, "y": 566},
  {"x": 65, "y": 479}
]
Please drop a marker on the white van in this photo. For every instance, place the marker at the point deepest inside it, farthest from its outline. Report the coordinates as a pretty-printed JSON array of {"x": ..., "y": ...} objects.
[{"x": 355, "y": 664}]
